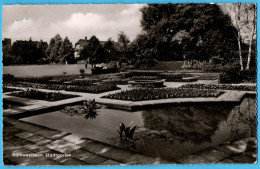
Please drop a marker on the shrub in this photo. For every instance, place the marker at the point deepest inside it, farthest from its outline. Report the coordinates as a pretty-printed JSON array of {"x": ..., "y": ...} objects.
[
  {"x": 100, "y": 70},
  {"x": 8, "y": 78}
]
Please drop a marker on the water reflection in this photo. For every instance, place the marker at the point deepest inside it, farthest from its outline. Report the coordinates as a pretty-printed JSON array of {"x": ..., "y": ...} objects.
[
  {"x": 175, "y": 131},
  {"x": 192, "y": 123}
]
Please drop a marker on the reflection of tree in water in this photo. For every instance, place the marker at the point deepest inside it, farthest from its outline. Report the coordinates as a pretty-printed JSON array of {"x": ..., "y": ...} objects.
[
  {"x": 192, "y": 123},
  {"x": 243, "y": 119}
]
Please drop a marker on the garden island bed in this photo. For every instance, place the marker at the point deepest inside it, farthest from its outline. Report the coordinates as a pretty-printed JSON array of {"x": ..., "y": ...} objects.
[
  {"x": 7, "y": 89},
  {"x": 93, "y": 88},
  {"x": 166, "y": 93},
  {"x": 219, "y": 87},
  {"x": 40, "y": 95}
]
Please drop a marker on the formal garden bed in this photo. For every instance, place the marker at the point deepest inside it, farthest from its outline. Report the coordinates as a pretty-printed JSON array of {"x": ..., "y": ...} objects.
[
  {"x": 7, "y": 89},
  {"x": 11, "y": 105},
  {"x": 219, "y": 87},
  {"x": 93, "y": 88},
  {"x": 166, "y": 93},
  {"x": 48, "y": 96}
]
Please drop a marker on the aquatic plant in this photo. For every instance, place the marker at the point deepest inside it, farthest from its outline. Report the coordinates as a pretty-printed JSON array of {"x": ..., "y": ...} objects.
[
  {"x": 126, "y": 132},
  {"x": 90, "y": 108}
]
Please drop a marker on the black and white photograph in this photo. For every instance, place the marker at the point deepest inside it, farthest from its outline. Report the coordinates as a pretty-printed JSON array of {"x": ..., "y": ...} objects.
[{"x": 129, "y": 84}]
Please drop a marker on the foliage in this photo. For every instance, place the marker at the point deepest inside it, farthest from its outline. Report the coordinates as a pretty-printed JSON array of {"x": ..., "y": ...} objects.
[
  {"x": 193, "y": 31},
  {"x": 24, "y": 52},
  {"x": 90, "y": 108},
  {"x": 8, "y": 78},
  {"x": 219, "y": 87},
  {"x": 66, "y": 52},
  {"x": 154, "y": 94},
  {"x": 126, "y": 131},
  {"x": 36, "y": 94},
  {"x": 93, "y": 50},
  {"x": 97, "y": 88},
  {"x": 110, "y": 50},
  {"x": 82, "y": 71},
  {"x": 8, "y": 89},
  {"x": 100, "y": 70},
  {"x": 54, "y": 49}
]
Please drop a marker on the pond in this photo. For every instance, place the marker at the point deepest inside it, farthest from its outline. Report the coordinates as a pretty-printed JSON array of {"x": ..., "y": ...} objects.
[{"x": 169, "y": 132}]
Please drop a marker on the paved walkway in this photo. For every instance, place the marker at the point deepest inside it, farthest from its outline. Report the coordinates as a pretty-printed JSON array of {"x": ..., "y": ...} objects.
[{"x": 23, "y": 139}]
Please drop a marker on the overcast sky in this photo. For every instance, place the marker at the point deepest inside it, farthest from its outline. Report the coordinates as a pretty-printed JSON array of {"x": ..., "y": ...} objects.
[{"x": 20, "y": 22}]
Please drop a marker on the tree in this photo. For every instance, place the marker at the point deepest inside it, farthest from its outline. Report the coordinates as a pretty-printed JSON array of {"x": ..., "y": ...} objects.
[
  {"x": 49, "y": 49},
  {"x": 66, "y": 52},
  {"x": 244, "y": 21},
  {"x": 54, "y": 49},
  {"x": 41, "y": 48},
  {"x": 110, "y": 50},
  {"x": 123, "y": 44},
  {"x": 193, "y": 31},
  {"x": 93, "y": 50}
]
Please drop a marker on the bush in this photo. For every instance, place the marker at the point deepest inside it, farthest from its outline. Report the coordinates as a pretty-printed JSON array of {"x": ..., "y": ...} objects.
[
  {"x": 8, "y": 78},
  {"x": 100, "y": 70},
  {"x": 150, "y": 62},
  {"x": 237, "y": 76}
]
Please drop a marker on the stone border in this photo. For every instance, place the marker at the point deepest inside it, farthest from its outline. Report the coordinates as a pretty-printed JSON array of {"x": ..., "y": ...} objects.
[{"x": 230, "y": 96}]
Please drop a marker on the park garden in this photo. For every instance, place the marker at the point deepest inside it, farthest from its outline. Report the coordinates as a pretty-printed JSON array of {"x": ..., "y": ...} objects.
[{"x": 185, "y": 85}]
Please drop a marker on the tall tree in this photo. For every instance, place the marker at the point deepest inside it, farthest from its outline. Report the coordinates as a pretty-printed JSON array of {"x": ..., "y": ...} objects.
[
  {"x": 54, "y": 49},
  {"x": 93, "y": 50},
  {"x": 123, "y": 43},
  {"x": 49, "y": 49},
  {"x": 41, "y": 48},
  {"x": 66, "y": 52},
  {"x": 193, "y": 31},
  {"x": 244, "y": 20},
  {"x": 110, "y": 50}
]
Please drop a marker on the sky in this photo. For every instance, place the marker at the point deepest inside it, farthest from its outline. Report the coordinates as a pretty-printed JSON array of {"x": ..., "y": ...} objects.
[{"x": 21, "y": 22}]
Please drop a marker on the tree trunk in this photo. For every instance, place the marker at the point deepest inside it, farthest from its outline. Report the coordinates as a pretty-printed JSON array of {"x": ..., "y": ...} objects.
[
  {"x": 249, "y": 54},
  {"x": 251, "y": 40},
  {"x": 240, "y": 53}
]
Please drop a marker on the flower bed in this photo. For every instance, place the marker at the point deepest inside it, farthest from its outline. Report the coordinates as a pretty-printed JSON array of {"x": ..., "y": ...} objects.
[
  {"x": 154, "y": 94},
  {"x": 178, "y": 77},
  {"x": 97, "y": 88},
  {"x": 7, "y": 89},
  {"x": 219, "y": 87},
  {"x": 36, "y": 94}
]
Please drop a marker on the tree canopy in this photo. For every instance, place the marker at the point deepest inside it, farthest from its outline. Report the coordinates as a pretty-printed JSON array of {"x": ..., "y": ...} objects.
[{"x": 193, "y": 31}]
